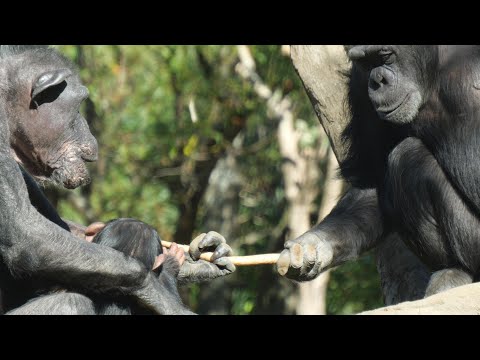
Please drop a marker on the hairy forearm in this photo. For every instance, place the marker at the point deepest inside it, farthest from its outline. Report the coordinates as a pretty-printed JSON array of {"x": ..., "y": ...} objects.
[
  {"x": 30, "y": 245},
  {"x": 354, "y": 225},
  {"x": 197, "y": 272},
  {"x": 39, "y": 249}
]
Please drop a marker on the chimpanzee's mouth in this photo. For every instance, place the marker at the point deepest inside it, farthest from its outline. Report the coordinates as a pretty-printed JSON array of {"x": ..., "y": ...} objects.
[
  {"x": 68, "y": 170},
  {"x": 385, "y": 113}
]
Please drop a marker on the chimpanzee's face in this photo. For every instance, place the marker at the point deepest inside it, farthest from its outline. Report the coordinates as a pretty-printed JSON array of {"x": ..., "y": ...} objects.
[
  {"x": 395, "y": 84},
  {"x": 48, "y": 135}
]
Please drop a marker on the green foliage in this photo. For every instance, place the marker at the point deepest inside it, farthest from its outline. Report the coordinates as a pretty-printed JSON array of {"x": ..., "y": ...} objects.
[
  {"x": 151, "y": 147},
  {"x": 354, "y": 287}
]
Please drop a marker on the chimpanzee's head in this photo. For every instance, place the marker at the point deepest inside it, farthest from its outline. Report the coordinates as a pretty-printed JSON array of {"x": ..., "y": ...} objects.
[
  {"x": 398, "y": 77},
  {"x": 41, "y": 94}
]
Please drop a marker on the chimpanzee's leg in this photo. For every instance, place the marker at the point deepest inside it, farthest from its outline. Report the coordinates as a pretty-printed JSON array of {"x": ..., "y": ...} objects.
[
  {"x": 440, "y": 227},
  {"x": 64, "y": 303},
  {"x": 447, "y": 279}
]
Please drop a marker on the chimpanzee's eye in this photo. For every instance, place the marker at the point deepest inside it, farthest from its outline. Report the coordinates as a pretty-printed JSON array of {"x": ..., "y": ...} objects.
[
  {"x": 48, "y": 95},
  {"x": 387, "y": 56}
]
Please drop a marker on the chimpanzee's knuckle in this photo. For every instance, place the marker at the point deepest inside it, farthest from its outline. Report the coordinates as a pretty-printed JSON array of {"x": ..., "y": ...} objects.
[
  {"x": 212, "y": 239},
  {"x": 218, "y": 238},
  {"x": 221, "y": 251}
]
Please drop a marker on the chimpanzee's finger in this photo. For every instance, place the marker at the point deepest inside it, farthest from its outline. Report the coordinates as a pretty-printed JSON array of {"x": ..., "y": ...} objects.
[
  {"x": 159, "y": 261},
  {"x": 221, "y": 251},
  {"x": 180, "y": 256},
  {"x": 283, "y": 262},
  {"x": 289, "y": 244},
  {"x": 173, "y": 249},
  {"x": 225, "y": 263},
  {"x": 194, "y": 250},
  {"x": 293, "y": 266},
  {"x": 309, "y": 257},
  {"x": 212, "y": 239},
  {"x": 296, "y": 256},
  {"x": 93, "y": 229},
  {"x": 296, "y": 261}
]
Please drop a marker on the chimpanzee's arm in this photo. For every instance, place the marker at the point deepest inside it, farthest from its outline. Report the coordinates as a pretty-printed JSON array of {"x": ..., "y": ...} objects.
[
  {"x": 452, "y": 132},
  {"x": 30, "y": 245},
  {"x": 455, "y": 146},
  {"x": 193, "y": 270},
  {"x": 353, "y": 227}
]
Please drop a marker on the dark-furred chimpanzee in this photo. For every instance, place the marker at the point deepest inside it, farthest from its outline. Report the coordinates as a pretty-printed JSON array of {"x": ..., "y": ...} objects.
[
  {"x": 41, "y": 129},
  {"x": 140, "y": 241},
  {"x": 413, "y": 164}
]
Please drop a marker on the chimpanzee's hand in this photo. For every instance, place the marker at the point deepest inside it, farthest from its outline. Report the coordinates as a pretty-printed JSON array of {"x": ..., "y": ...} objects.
[
  {"x": 172, "y": 260},
  {"x": 163, "y": 298},
  {"x": 305, "y": 257},
  {"x": 160, "y": 294},
  {"x": 195, "y": 270}
]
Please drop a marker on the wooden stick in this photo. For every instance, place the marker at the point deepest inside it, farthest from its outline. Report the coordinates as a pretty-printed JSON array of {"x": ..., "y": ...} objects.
[{"x": 236, "y": 260}]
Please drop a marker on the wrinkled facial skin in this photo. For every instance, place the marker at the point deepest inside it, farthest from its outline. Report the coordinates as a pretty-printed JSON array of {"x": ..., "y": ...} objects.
[
  {"x": 48, "y": 136},
  {"x": 395, "y": 85}
]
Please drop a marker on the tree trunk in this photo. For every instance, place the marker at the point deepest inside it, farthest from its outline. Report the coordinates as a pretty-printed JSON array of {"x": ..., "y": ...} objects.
[
  {"x": 300, "y": 166},
  {"x": 221, "y": 201},
  {"x": 313, "y": 294},
  {"x": 301, "y": 176},
  {"x": 323, "y": 69}
]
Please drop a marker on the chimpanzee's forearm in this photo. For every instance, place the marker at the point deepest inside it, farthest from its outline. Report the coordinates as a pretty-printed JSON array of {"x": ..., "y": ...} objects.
[
  {"x": 354, "y": 225},
  {"x": 30, "y": 245}
]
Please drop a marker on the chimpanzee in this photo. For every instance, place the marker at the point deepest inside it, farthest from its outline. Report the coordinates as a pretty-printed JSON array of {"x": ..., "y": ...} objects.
[
  {"x": 414, "y": 141},
  {"x": 43, "y": 134},
  {"x": 142, "y": 242}
]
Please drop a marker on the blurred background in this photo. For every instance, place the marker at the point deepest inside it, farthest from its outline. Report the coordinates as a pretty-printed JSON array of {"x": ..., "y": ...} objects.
[{"x": 200, "y": 138}]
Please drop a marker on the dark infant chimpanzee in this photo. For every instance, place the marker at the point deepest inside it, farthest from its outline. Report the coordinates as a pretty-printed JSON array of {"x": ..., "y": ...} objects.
[
  {"x": 140, "y": 241},
  {"x": 41, "y": 129},
  {"x": 413, "y": 163}
]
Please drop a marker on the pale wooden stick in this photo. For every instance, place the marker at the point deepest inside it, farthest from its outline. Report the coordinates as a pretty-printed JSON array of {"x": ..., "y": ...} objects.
[{"x": 236, "y": 260}]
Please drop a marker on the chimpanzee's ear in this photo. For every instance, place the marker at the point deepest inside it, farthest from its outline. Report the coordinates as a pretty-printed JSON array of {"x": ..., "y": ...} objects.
[
  {"x": 48, "y": 79},
  {"x": 93, "y": 229}
]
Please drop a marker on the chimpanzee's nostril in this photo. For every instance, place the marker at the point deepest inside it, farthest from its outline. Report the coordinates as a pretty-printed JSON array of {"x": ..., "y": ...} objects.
[
  {"x": 379, "y": 79},
  {"x": 375, "y": 83},
  {"x": 89, "y": 157},
  {"x": 89, "y": 151}
]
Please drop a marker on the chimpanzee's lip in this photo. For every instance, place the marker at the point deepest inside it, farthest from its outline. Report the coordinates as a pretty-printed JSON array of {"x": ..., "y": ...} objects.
[{"x": 392, "y": 111}]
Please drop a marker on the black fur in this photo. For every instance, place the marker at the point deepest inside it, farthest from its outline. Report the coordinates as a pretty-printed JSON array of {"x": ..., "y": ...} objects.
[
  {"x": 413, "y": 160},
  {"x": 142, "y": 242},
  {"x": 41, "y": 127}
]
